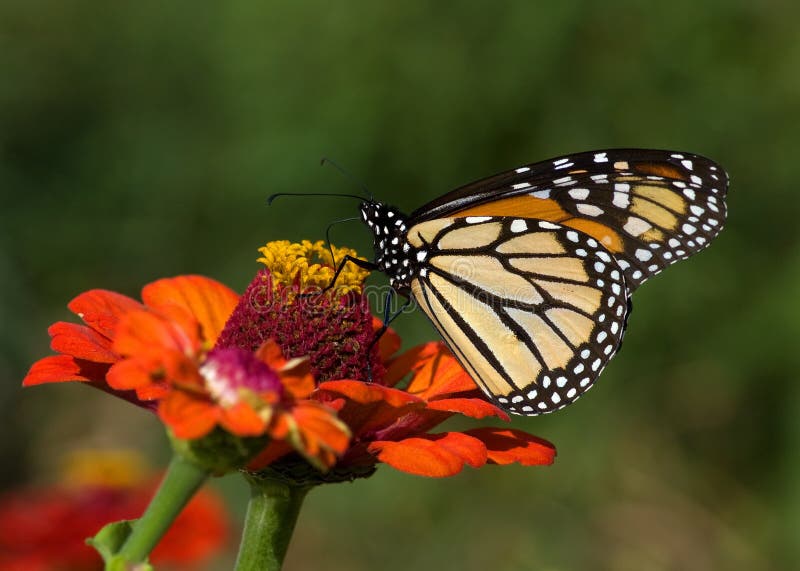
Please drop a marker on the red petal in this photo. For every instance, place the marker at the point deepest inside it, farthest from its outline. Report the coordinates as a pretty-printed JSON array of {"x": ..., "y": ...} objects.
[
  {"x": 59, "y": 368},
  {"x": 81, "y": 342},
  {"x": 101, "y": 309},
  {"x": 506, "y": 446},
  {"x": 436, "y": 456},
  {"x": 473, "y": 408},
  {"x": 207, "y": 300}
]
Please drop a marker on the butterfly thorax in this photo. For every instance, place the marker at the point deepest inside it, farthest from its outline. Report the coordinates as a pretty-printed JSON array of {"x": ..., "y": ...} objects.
[{"x": 393, "y": 254}]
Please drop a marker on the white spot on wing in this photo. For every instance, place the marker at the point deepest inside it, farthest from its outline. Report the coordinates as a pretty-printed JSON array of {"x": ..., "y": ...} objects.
[
  {"x": 519, "y": 226},
  {"x": 589, "y": 209},
  {"x": 579, "y": 193},
  {"x": 621, "y": 199},
  {"x": 636, "y": 226}
]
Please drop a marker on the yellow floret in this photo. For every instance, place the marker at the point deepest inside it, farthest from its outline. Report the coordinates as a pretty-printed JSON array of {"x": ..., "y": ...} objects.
[
  {"x": 112, "y": 468},
  {"x": 311, "y": 263}
]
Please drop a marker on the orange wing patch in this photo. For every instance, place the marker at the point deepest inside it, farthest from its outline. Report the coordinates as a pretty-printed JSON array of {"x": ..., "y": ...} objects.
[
  {"x": 607, "y": 237},
  {"x": 527, "y": 206},
  {"x": 660, "y": 169},
  {"x": 524, "y": 206}
]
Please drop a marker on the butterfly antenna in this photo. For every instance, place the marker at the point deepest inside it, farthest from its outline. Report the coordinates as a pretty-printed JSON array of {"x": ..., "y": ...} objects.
[
  {"x": 272, "y": 197},
  {"x": 348, "y": 176}
]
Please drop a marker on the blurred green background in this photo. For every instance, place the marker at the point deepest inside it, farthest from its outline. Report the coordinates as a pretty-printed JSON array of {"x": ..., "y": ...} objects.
[{"x": 141, "y": 140}]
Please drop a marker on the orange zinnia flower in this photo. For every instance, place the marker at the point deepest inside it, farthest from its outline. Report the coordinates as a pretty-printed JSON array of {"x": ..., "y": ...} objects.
[{"x": 161, "y": 355}]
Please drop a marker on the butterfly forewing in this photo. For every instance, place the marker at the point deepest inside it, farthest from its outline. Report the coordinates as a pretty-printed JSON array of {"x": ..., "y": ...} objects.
[
  {"x": 649, "y": 209},
  {"x": 532, "y": 309}
]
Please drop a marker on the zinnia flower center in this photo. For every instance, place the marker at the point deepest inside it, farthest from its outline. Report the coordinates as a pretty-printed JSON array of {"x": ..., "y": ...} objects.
[
  {"x": 285, "y": 303},
  {"x": 231, "y": 372}
]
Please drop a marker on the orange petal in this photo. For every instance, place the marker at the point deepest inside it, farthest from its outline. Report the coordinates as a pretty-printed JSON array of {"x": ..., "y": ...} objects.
[
  {"x": 506, "y": 446},
  {"x": 369, "y": 407},
  {"x": 274, "y": 450},
  {"x": 101, "y": 309},
  {"x": 440, "y": 374},
  {"x": 320, "y": 427},
  {"x": 295, "y": 374},
  {"x": 242, "y": 420},
  {"x": 471, "y": 407},
  {"x": 299, "y": 386},
  {"x": 187, "y": 416},
  {"x": 209, "y": 301},
  {"x": 365, "y": 393},
  {"x": 271, "y": 354},
  {"x": 81, "y": 342},
  {"x": 60, "y": 368},
  {"x": 471, "y": 450},
  {"x": 403, "y": 364},
  {"x": 143, "y": 331},
  {"x": 418, "y": 456},
  {"x": 130, "y": 374}
]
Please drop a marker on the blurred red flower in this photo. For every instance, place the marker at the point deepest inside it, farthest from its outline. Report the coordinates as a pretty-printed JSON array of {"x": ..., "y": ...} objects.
[{"x": 45, "y": 528}]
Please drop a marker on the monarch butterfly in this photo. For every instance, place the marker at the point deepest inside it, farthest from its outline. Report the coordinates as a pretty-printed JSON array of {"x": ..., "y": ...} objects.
[{"x": 528, "y": 274}]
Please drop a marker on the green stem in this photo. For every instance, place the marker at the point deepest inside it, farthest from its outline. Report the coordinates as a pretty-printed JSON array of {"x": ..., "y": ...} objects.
[
  {"x": 182, "y": 480},
  {"x": 271, "y": 516}
]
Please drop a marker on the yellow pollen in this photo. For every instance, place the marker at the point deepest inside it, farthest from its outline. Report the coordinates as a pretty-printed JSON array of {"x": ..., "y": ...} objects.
[
  {"x": 311, "y": 264},
  {"x": 114, "y": 468}
]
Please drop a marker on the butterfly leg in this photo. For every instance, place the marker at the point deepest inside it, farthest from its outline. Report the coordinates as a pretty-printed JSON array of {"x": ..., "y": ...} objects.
[
  {"x": 360, "y": 263},
  {"x": 388, "y": 317},
  {"x": 367, "y": 265}
]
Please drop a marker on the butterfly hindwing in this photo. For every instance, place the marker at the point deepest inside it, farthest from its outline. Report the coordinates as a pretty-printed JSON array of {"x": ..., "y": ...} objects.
[
  {"x": 648, "y": 208},
  {"x": 533, "y": 310}
]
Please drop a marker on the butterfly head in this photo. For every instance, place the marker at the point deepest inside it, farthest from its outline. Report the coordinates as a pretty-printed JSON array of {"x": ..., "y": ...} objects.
[{"x": 388, "y": 226}]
